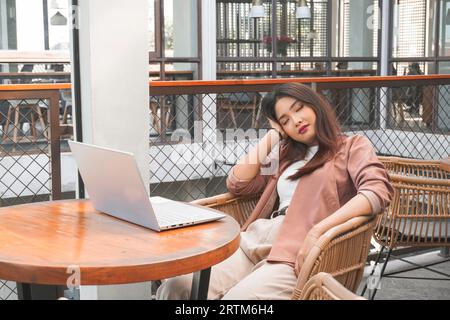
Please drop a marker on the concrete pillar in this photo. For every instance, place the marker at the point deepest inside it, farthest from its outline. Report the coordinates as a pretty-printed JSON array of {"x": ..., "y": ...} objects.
[
  {"x": 384, "y": 61},
  {"x": 361, "y": 14},
  {"x": 185, "y": 40},
  {"x": 334, "y": 28},
  {"x": 115, "y": 94},
  {"x": 209, "y": 44},
  {"x": 211, "y": 139}
]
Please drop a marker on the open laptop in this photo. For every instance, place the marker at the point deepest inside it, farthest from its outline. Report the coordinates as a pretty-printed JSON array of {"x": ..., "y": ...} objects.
[{"x": 115, "y": 187}]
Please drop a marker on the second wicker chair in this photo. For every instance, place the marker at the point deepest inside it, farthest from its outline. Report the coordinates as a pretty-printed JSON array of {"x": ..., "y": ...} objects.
[{"x": 419, "y": 214}]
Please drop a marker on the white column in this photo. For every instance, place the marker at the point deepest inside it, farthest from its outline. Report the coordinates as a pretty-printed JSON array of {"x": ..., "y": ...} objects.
[
  {"x": 209, "y": 45},
  {"x": 185, "y": 44},
  {"x": 361, "y": 45},
  {"x": 384, "y": 60},
  {"x": 211, "y": 139},
  {"x": 115, "y": 92},
  {"x": 384, "y": 51}
]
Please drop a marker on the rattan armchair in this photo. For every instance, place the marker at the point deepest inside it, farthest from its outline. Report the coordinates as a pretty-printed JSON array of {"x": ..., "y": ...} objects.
[
  {"x": 438, "y": 169},
  {"x": 341, "y": 251},
  {"x": 239, "y": 207},
  {"x": 324, "y": 287},
  {"x": 419, "y": 214}
]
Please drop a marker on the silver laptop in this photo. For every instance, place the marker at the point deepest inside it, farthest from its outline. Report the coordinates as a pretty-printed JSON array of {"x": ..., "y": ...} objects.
[{"x": 115, "y": 187}]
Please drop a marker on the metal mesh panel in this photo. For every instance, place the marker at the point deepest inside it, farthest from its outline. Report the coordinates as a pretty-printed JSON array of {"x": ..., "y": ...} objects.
[
  {"x": 25, "y": 160},
  {"x": 215, "y": 128},
  {"x": 26, "y": 144},
  {"x": 8, "y": 290}
]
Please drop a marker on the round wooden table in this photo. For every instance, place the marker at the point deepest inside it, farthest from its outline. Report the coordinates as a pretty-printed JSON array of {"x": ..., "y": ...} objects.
[{"x": 45, "y": 243}]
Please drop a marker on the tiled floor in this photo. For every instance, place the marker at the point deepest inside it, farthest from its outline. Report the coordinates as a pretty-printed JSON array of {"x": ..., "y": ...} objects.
[{"x": 414, "y": 289}]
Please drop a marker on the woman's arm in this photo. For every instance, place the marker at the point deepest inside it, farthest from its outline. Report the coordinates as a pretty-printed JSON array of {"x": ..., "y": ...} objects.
[
  {"x": 249, "y": 165},
  {"x": 359, "y": 205},
  {"x": 245, "y": 177},
  {"x": 374, "y": 192},
  {"x": 356, "y": 206}
]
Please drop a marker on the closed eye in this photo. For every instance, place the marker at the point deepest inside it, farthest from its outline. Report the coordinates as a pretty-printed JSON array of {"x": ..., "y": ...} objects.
[{"x": 298, "y": 107}]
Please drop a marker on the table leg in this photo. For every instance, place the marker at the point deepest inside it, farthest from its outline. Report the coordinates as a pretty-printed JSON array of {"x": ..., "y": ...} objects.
[
  {"x": 26, "y": 291},
  {"x": 200, "y": 284}
]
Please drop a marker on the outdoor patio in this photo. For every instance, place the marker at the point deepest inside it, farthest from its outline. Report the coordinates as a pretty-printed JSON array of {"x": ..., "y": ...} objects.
[{"x": 179, "y": 84}]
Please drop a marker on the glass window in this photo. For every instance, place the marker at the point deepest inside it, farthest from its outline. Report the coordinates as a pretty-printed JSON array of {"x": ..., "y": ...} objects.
[
  {"x": 8, "y": 38},
  {"x": 444, "y": 42},
  {"x": 151, "y": 26},
  {"x": 180, "y": 28},
  {"x": 358, "y": 24},
  {"x": 444, "y": 67},
  {"x": 411, "y": 68},
  {"x": 238, "y": 35},
  {"x": 412, "y": 29},
  {"x": 58, "y": 25},
  {"x": 310, "y": 34}
]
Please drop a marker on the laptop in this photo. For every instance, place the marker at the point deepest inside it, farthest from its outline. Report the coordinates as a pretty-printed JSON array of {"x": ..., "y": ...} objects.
[{"x": 115, "y": 187}]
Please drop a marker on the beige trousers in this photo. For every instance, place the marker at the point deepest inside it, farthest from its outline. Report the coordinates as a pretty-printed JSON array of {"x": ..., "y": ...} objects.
[{"x": 245, "y": 275}]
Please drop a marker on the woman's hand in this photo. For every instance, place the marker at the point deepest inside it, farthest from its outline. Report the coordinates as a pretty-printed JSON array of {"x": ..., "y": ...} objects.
[
  {"x": 306, "y": 247},
  {"x": 277, "y": 127}
]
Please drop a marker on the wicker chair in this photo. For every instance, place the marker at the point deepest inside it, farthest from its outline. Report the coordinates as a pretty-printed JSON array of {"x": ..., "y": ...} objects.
[
  {"x": 341, "y": 251},
  {"x": 324, "y": 287},
  {"x": 417, "y": 168},
  {"x": 419, "y": 214},
  {"x": 239, "y": 207}
]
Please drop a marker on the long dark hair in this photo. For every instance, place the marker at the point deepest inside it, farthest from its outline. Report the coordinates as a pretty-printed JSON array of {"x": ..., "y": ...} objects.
[{"x": 328, "y": 131}]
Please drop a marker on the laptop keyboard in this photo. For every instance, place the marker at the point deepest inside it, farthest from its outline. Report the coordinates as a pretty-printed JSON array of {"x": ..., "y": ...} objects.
[
  {"x": 171, "y": 213},
  {"x": 171, "y": 218}
]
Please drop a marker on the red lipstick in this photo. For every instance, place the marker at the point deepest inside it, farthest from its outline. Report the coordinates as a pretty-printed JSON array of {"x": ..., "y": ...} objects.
[{"x": 303, "y": 129}]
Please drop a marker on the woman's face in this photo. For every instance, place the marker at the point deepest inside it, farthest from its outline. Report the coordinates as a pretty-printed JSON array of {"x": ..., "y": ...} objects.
[{"x": 297, "y": 119}]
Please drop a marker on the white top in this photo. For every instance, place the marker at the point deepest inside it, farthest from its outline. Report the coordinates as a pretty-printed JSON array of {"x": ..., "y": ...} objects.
[{"x": 287, "y": 187}]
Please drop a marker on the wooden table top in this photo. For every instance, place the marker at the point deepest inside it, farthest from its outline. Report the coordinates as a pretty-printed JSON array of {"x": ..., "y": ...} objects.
[{"x": 40, "y": 241}]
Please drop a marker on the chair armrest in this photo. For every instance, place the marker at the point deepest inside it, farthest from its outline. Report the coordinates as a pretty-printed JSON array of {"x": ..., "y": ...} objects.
[
  {"x": 350, "y": 242},
  {"x": 215, "y": 200},
  {"x": 324, "y": 287},
  {"x": 238, "y": 207},
  {"x": 422, "y": 181}
]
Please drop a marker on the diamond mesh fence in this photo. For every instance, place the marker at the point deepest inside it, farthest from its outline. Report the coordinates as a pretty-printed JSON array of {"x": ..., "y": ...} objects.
[
  {"x": 198, "y": 134},
  {"x": 29, "y": 153}
]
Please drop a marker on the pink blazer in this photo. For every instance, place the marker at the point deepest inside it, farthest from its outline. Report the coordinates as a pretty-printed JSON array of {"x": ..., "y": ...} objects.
[{"x": 354, "y": 169}]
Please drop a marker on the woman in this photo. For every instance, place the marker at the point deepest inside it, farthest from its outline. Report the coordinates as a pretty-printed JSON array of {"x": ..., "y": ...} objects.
[{"x": 323, "y": 179}]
